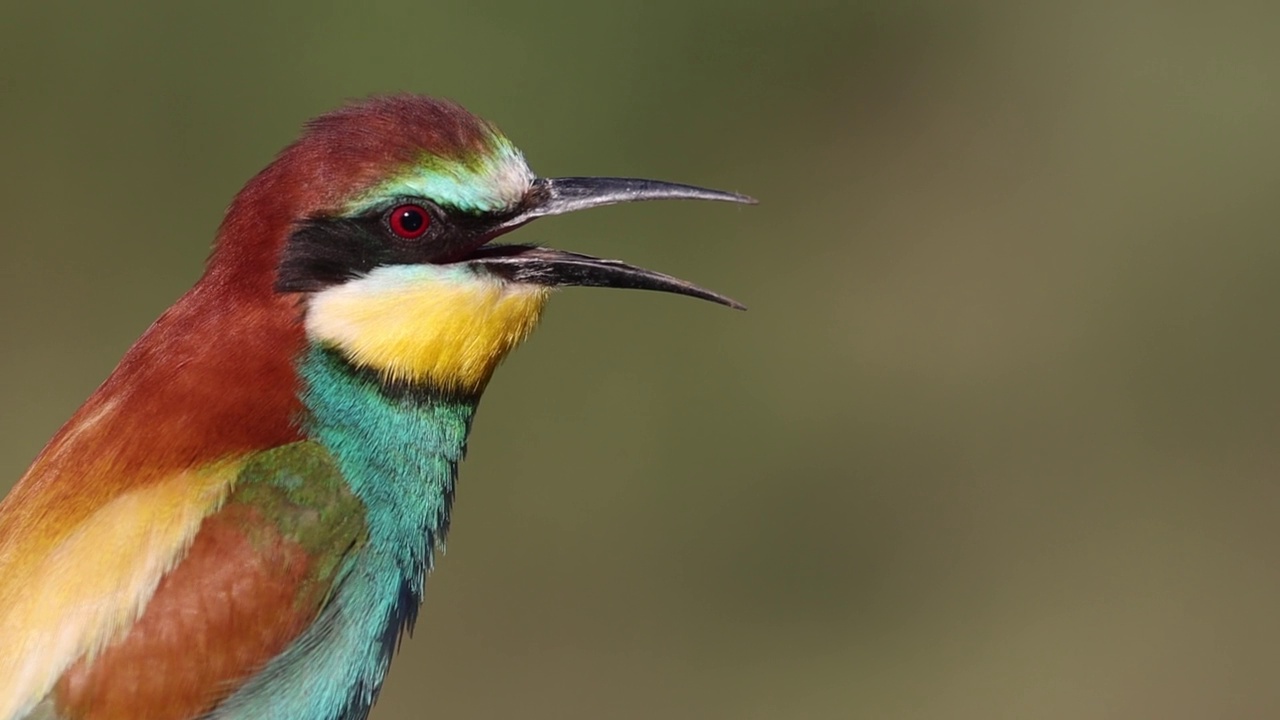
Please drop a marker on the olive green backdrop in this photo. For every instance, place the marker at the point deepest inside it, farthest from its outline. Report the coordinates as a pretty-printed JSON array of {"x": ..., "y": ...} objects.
[{"x": 997, "y": 438}]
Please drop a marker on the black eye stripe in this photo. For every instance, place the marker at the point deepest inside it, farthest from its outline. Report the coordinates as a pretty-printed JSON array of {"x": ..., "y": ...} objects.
[{"x": 324, "y": 251}]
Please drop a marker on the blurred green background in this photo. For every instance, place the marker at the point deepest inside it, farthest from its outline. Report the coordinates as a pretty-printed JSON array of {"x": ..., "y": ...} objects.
[{"x": 997, "y": 438}]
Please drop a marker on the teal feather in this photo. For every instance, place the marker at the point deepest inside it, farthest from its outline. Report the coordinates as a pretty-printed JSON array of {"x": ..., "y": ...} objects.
[{"x": 399, "y": 452}]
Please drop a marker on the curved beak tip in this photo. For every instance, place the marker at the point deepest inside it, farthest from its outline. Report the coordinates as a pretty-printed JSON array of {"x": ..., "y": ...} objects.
[{"x": 557, "y": 196}]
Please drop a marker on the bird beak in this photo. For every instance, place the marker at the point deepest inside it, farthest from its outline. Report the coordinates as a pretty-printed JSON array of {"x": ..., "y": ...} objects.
[
  {"x": 557, "y": 196},
  {"x": 547, "y": 266}
]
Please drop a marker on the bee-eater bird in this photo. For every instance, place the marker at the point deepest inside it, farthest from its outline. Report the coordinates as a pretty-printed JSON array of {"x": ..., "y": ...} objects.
[{"x": 238, "y": 523}]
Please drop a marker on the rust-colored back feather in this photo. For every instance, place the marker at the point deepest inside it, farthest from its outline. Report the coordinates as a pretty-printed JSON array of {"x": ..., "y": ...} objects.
[
  {"x": 232, "y": 604},
  {"x": 213, "y": 378}
]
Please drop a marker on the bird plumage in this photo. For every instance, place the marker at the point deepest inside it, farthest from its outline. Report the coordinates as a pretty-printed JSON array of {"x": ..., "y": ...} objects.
[{"x": 239, "y": 521}]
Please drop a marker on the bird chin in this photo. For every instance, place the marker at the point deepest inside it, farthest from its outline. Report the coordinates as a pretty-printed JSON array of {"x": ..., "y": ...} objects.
[{"x": 535, "y": 265}]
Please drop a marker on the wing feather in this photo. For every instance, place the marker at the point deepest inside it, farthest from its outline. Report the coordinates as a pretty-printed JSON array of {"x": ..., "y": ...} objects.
[
  {"x": 255, "y": 573},
  {"x": 67, "y": 595}
]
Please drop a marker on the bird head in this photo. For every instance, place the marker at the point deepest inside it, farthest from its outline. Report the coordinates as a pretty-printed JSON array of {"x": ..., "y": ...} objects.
[{"x": 382, "y": 218}]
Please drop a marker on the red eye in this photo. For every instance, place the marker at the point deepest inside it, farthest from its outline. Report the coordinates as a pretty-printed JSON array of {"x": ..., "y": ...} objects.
[{"x": 409, "y": 221}]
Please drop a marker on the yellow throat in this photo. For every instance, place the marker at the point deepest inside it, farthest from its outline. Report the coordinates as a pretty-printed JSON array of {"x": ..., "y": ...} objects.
[{"x": 444, "y": 325}]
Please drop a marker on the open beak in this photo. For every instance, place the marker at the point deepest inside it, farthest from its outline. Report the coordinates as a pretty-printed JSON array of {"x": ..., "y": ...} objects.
[{"x": 556, "y": 196}]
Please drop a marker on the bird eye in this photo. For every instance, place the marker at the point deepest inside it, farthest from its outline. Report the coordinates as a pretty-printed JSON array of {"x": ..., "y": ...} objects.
[{"x": 409, "y": 221}]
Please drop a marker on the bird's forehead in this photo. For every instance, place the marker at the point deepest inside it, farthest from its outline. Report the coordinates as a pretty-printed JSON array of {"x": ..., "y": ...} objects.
[{"x": 493, "y": 180}]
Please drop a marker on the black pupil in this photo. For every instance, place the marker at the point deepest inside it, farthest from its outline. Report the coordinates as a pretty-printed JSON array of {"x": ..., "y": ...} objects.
[{"x": 411, "y": 220}]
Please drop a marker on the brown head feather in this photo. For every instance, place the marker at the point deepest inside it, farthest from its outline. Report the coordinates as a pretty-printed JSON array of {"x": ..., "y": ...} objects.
[{"x": 339, "y": 156}]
